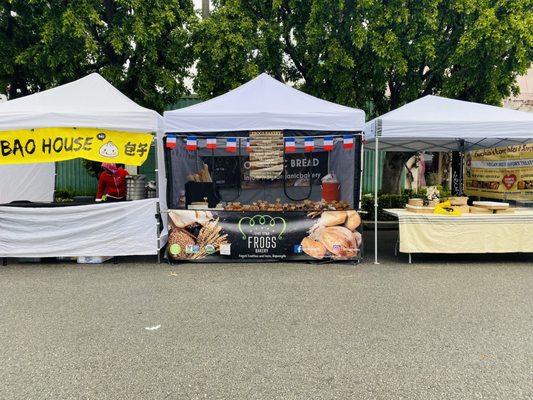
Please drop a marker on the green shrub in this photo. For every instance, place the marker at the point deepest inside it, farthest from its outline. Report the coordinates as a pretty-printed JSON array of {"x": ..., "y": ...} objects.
[
  {"x": 64, "y": 195},
  {"x": 384, "y": 201}
]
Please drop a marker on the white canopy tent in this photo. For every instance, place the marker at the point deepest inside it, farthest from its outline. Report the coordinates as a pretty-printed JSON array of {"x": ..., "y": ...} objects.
[
  {"x": 264, "y": 103},
  {"x": 434, "y": 123},
  {"x": 90, "y": 102}
]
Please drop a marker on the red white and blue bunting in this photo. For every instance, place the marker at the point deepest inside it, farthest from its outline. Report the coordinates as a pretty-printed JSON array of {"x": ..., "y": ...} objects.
[
  {"x": 347, "y": 141},
  {"x": 291, "y": 144},
  {"x": 192, "y": 143},
  {"x": 211, "y": 143},
  {"x": 231, "y": 144},
  {"x": 328, "y": 143},
  {"x": 309, "y": 144},
  {"x": 171, "y": 142}
]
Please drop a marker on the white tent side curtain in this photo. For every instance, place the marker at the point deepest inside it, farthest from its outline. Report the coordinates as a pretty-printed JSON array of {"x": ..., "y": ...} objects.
[
  {"x": 27, "y": 182},
  {"x": 126, "y": 228}
]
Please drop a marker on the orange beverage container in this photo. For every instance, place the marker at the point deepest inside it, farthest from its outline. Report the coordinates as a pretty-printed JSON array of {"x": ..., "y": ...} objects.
[{"x": 330, "y": 187}]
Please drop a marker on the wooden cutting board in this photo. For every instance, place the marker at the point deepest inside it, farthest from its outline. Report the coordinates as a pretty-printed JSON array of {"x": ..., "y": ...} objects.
[
  {"x": 480, "y": 210},
  {"x": 491, "y": 205},
  {"x": 462, "y": 209},
  {"x": 506, "y": 211},
  {"x": 419, "y": 209}
]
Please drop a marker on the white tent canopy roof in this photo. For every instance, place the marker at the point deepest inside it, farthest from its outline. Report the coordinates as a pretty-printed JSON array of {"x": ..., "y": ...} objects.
[
  {"x": 438, "y": 123},
  {"x": 264, "y": 103},
  {"x": 89, "y": 102}
]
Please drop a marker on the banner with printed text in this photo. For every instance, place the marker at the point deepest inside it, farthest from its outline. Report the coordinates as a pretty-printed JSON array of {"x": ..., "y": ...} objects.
[
  {"x": 500, "y": 172},
  {"x": 266, "y": 236},
  {"x": 59, "y": 144}
]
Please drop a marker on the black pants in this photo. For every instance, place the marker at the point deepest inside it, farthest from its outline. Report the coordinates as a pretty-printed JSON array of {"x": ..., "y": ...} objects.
[{"x": 114, "y": 200}]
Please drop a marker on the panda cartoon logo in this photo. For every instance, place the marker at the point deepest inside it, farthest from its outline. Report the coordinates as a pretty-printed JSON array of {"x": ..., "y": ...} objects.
[{"x": 109, "y": 150}]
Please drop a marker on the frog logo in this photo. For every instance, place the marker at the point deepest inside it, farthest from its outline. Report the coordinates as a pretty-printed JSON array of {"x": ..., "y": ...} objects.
[
  {"x": 262, "y": 225},
  {"x": 109, "y": 150}
]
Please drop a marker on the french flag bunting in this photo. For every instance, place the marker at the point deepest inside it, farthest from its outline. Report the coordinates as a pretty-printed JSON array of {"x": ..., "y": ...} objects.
[
  {"x": 231, "y": 144},
  {"x": 248, "y": 146},
  {"x": 171, "y": 142},
  {"x": 211, "y": 143},
  {"x": 290, "y": 145},
  {"x": 347, "y": 141},
  {"x": 328, "y": 143},
  {"x": 192, "y": 143},
  {"x": 309, "y": 144}
]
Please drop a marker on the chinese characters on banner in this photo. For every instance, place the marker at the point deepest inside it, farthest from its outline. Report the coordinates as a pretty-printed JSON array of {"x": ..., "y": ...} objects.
[
  {"x": 60, "y": 144},
  {"x": 500, "y": 172}
]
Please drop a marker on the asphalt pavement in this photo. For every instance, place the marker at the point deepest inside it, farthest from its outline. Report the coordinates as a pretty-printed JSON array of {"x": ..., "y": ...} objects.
[{"x": 445, "y": 327}]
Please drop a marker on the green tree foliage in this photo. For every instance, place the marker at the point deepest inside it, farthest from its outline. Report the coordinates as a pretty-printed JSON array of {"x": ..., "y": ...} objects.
[
  {"x": 386, "y": 52},
  {"x": 233, "y": 47},
  {"x": 375, "y": 55},
  {"x": 141, "y": 46}
]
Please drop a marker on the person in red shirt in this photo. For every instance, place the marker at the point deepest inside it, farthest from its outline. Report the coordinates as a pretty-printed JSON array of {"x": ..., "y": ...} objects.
[{"x": 112, "y": 183}]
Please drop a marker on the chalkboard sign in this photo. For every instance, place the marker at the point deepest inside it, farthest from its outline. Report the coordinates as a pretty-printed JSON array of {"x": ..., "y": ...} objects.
[{"x": 457, "y": 174}]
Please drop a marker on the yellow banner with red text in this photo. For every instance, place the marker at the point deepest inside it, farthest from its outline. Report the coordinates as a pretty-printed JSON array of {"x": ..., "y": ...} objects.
[{"x": 500, "y": 172}]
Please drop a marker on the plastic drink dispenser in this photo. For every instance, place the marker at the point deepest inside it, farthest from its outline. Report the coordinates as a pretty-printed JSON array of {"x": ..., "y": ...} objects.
[{"x": 330, "y": 188}]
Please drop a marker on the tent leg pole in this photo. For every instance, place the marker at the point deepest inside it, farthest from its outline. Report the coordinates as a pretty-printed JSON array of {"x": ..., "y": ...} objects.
[
  {"x": 461, "y": 172},
  {"x": 376, "y": 169},
  {"x": 158, "y": 216}
]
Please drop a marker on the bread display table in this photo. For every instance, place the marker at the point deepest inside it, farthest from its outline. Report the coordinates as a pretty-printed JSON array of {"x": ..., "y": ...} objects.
[{"x": 468, "y": 233}]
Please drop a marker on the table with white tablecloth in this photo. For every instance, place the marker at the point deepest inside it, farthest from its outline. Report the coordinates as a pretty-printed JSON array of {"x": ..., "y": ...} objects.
[{"x": 468, "y": 233}]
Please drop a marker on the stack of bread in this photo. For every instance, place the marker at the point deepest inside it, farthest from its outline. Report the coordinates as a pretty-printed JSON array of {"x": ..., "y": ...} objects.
[{"x": 202, "y": 175}]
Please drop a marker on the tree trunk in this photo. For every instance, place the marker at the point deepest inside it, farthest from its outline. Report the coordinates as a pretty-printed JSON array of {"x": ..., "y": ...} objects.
[{"x": 392, "y": 171}]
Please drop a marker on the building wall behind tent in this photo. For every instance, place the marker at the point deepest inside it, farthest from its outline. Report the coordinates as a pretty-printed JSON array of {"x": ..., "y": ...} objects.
[
  {"x": 149, "y": 166},
  {"x": 184, "y": 102},
  {"x": 73, "y": 176},
  {"x": 32, "y": 182}
]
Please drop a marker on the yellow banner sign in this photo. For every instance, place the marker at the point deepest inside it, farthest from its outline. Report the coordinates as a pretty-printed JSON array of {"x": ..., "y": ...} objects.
[
  {"x": 60, "y": 144},
  {"x": 500, "y": 172}
]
